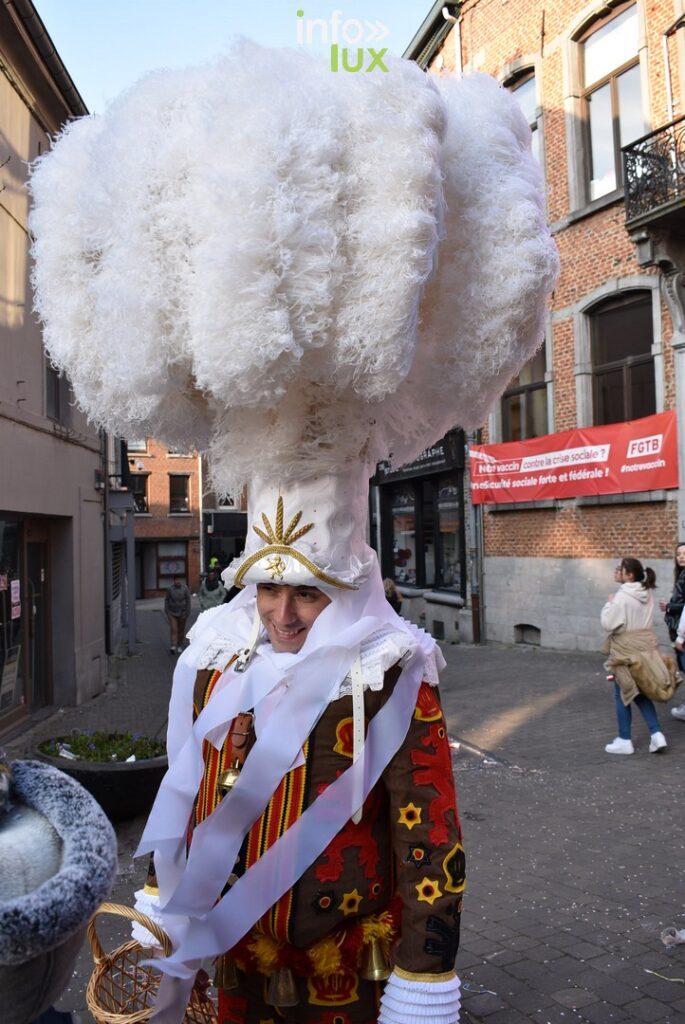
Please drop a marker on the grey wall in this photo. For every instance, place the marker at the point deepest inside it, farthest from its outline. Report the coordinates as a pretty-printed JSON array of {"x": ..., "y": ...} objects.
[{"x": 563, "y": 597}]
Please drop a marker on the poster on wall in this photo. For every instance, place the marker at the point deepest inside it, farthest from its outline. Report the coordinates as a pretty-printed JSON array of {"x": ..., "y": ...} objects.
[{"x": 640, "y": 455}]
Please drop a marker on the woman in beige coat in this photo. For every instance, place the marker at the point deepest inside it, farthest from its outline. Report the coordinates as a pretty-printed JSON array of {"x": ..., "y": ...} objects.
[{"x": 633, "y": 654}]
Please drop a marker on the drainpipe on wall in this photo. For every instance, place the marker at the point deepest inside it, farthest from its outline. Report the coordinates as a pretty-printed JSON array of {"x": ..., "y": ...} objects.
[
  {"x": 678, "y": 23},
  {"x": 104, "y": 455},
  {"x": 456, "y": 21},
  {"x": 475, "y": 556}
]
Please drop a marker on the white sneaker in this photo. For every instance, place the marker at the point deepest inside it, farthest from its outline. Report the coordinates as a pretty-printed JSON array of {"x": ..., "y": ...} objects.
[
  {"x": 658, "y": 743},
  {"x": 679, "y": 712},
  {"x": 619, "y": 746}
]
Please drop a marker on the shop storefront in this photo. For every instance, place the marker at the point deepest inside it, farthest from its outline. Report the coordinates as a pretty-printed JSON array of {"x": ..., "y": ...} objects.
[
  {"x": 223, "y": 532},
  {"x": 24, "y": 618},
  {"x": 418, "y": 526}
]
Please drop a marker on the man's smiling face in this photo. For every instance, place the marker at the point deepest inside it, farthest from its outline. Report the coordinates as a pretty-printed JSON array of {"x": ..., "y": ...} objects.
[{"x": 288, "y": 613}]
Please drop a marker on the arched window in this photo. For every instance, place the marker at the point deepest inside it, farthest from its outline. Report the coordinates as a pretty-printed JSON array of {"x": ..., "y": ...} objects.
[
  {"x": 621, "y": 336},
  {"x": 524, "y": 403},
  {"x": 524, "y": 89},
  {"x": 612, "y": 98}
]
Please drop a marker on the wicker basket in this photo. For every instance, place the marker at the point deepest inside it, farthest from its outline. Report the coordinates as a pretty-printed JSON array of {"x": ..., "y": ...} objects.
[{"x": 121, "y": 990}]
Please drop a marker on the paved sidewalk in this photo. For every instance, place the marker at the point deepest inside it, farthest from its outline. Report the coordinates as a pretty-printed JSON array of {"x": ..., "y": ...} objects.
[{"x": 575, "y": 858}]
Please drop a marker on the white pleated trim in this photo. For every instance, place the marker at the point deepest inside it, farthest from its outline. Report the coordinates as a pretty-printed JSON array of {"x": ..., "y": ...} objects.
[
  {"x": 436, "y": 1006},
  {"x": 416, "y": 1002},
  {"x": 379, "y": 652},
  {"x": 148, "y": 904}
]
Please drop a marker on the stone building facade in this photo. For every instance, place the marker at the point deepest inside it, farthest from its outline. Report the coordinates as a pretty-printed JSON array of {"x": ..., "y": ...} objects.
[
  {"x": 592, "y": 78},
  {"x": 52, "y": 493}
]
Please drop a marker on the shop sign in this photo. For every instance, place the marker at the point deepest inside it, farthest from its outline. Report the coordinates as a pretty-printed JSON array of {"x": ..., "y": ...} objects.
[
  {"x": 443, "y": 455},
  {"x": 619, "y": 458}
]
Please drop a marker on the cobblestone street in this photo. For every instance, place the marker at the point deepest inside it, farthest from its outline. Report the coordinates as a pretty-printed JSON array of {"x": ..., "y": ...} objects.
[{"x": 574, "y": 857}]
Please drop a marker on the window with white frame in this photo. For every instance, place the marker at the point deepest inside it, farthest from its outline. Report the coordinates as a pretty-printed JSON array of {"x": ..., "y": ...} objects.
[
  {"x": 621, "y": 336},
  {"x": 524, "y": 403},
  {"x": 612, "y": 96}
]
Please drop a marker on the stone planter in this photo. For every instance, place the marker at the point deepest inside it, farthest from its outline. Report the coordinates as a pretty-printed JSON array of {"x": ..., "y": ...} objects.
[
  {"x": 59, "y": 857},
  {"x": 123, "y": 789}
]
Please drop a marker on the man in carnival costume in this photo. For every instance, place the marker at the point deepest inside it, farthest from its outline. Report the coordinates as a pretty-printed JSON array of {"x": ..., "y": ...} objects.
[{"x": 323, "y": 271}]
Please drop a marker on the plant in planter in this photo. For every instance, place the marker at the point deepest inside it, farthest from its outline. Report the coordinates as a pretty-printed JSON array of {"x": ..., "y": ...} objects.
[{"x": 121, "y": 770}]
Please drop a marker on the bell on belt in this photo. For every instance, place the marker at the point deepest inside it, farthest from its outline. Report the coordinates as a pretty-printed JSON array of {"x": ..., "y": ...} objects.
[
  {"x": 375, "y": 963},
  {"x": 226, "y": 974},
  {"x": 282, "y": 988},
  {"x": 229, "y": 777}
]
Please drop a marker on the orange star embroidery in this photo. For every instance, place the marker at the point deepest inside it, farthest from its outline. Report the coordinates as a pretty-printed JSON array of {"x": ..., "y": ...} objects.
[
  {"x": 428, "y": 891},
  {"x": 350, "y": 902},
  {"x": 409, "y": 816}
]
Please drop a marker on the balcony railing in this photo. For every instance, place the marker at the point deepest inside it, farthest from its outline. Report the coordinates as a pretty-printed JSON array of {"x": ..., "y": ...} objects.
[{"x": 654, "y": 174}]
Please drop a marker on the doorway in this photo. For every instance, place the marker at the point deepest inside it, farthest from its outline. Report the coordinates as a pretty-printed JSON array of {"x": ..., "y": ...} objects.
[{"x": 38, "y": 610}]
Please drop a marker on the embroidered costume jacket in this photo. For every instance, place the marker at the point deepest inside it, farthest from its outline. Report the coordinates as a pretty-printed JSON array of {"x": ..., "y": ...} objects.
[{"x": 398, "y": 874}]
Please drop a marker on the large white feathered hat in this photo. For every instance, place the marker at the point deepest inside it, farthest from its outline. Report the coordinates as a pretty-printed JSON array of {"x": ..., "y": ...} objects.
[{"x": 301, "y": 272}]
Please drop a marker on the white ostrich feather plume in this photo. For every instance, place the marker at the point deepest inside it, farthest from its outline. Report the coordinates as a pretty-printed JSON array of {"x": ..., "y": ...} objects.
[{"x": 294, "y": 269}]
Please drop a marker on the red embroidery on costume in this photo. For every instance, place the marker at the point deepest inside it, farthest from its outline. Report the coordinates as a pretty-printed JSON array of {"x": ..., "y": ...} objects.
[
  {"x": 427, "y": 706},
  {"x": 360, "y": 836},
  {"x": 436, "y": 771}
]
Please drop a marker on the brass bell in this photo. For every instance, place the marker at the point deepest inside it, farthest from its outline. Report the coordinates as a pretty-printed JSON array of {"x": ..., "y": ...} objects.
[
  {"x": 229, "y": 777},
  {"x": 282, "y": 989},
  {"x": 375, "y": 962},
  {"x": 226, "y": 974}
]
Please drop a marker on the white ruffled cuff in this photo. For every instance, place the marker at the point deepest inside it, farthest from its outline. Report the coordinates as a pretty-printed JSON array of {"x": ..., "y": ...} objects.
[
  {"x": 416, "y": 999},
  {"x": 147, "y": 903}
]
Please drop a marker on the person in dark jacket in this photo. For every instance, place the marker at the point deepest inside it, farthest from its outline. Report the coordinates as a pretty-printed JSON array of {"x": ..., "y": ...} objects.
[
  {"x": 672, "y": 610},
  {"x": 177, "y": 610}
]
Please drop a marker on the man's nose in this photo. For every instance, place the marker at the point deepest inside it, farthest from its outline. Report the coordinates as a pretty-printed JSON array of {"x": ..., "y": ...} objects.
[{"x": 285, "y": 608}]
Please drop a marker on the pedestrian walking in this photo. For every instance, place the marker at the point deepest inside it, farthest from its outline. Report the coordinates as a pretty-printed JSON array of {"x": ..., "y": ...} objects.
[
  {"x": 212, "y": 592},
  {"x": 177, "y": 610},
  {"x": 392, "y": 595},
  {"x": 634, "y": 661}
]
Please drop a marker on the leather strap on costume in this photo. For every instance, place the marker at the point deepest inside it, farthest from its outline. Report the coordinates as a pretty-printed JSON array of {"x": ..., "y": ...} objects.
[{"x": 241, "y": 736}]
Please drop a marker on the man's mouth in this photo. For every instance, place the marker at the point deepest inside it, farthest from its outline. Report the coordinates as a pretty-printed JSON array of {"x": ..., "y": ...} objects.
[{"x": 286, "y": 634}]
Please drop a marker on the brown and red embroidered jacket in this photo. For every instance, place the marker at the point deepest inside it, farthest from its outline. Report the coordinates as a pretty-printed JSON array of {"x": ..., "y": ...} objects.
[{"x": 408, "y": 841}]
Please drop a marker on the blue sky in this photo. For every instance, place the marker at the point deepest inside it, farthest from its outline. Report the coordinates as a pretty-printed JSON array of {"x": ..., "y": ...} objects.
[{"x": 108, "y": 44}]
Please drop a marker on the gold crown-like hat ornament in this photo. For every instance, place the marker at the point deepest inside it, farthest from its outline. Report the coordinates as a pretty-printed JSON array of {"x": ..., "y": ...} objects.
[{"x": 280, "y": 542}]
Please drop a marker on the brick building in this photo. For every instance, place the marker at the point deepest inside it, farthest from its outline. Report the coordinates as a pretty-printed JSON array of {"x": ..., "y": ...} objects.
[
  {"x": 592, "y": 78},
  {"x": 167, "y": 490}
]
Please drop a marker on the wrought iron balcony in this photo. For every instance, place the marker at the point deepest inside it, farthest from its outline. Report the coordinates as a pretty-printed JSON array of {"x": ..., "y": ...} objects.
[{"x": 654, "y": 177}]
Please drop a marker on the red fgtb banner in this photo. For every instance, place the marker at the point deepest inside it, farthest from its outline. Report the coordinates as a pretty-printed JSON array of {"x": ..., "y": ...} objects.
[{"x": 641, "y": 455}]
